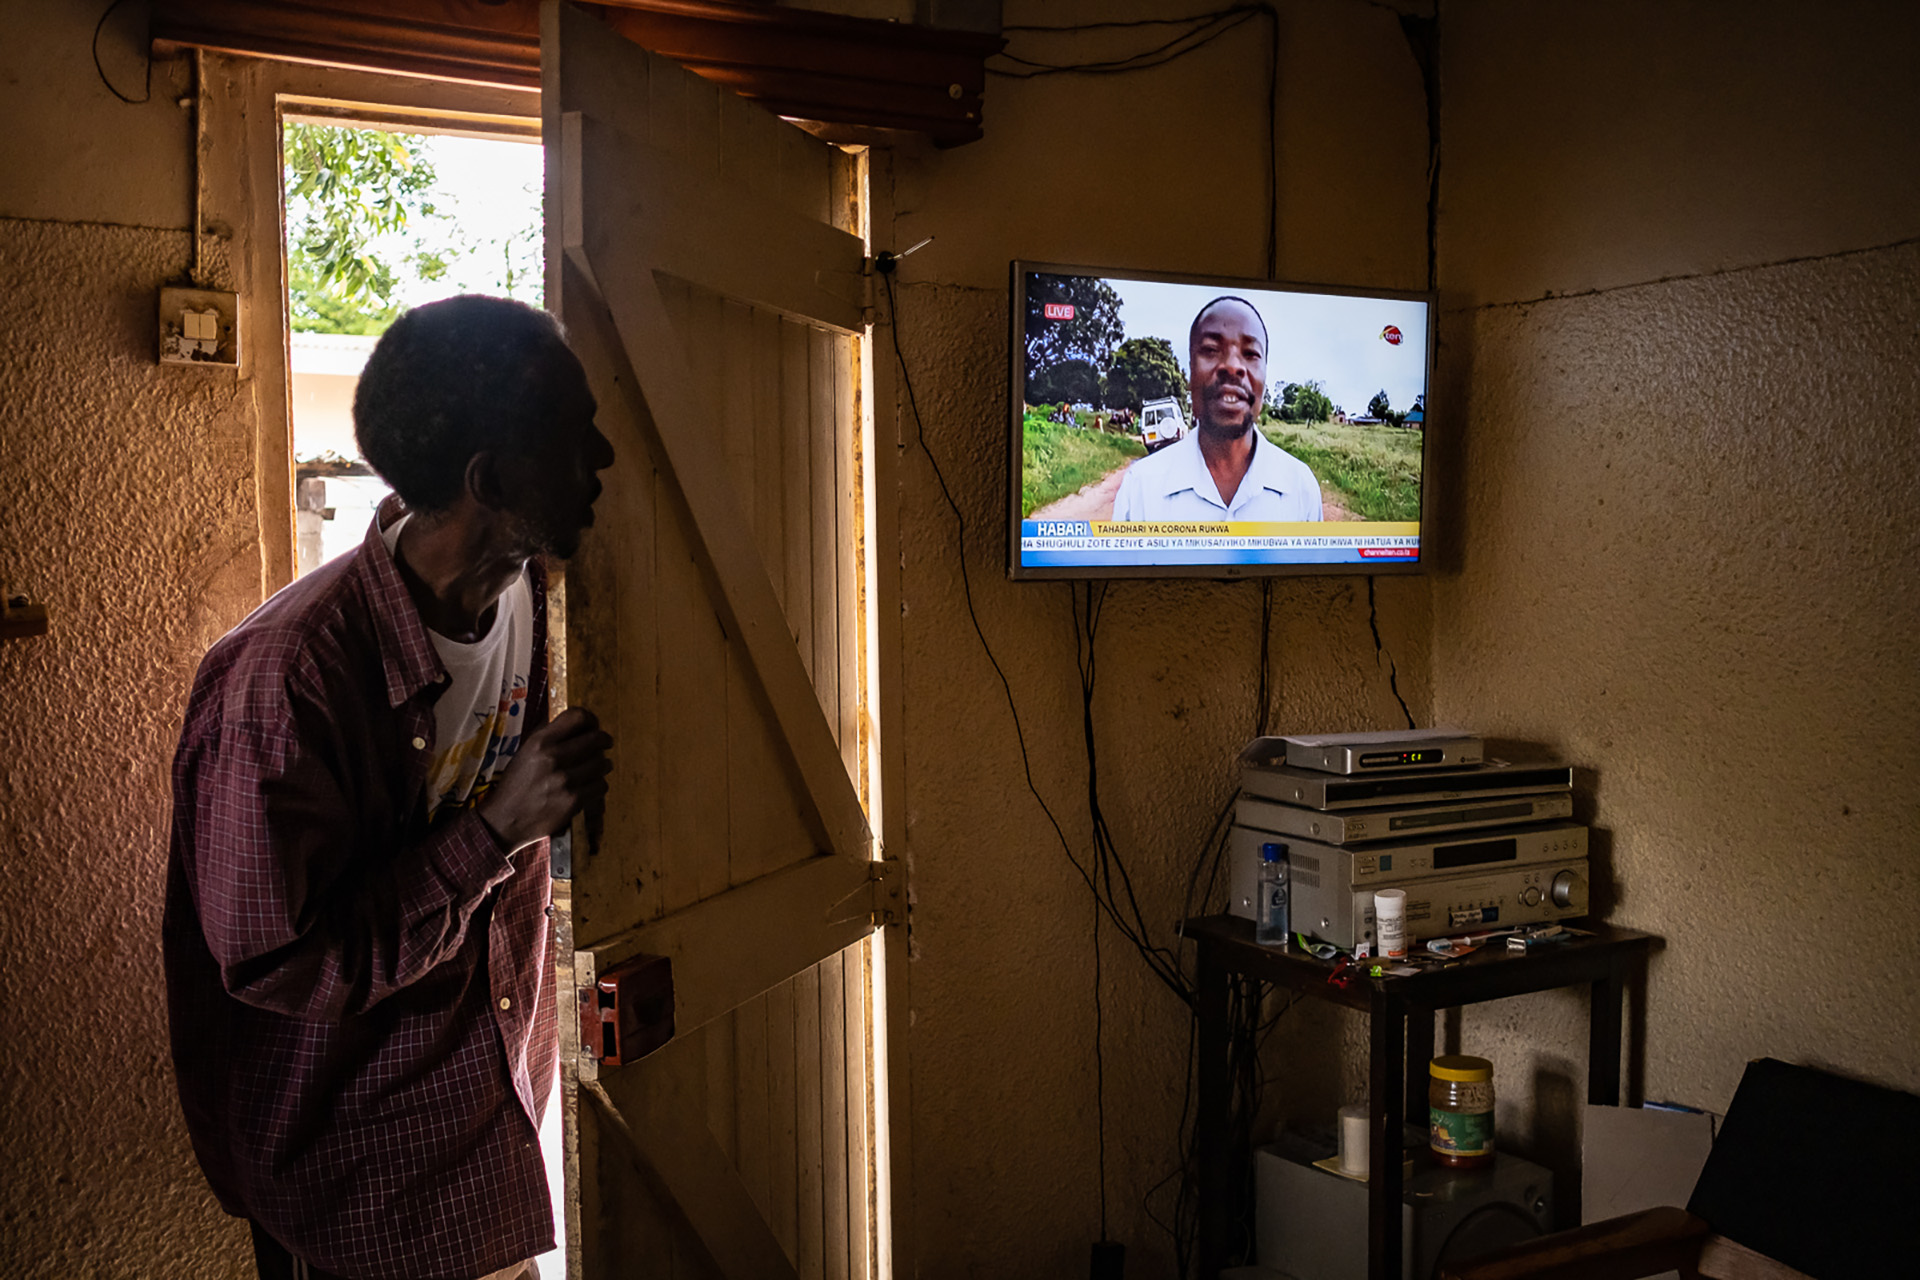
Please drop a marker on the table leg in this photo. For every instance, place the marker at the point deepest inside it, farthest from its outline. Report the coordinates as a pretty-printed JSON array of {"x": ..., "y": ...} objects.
[
  {"x": 1213, "y": 1115},
  {"x": 1386, "y": 1081},
  {"x": 1603, "y": 1040},
  {"x": 1419, "y": 1054}
]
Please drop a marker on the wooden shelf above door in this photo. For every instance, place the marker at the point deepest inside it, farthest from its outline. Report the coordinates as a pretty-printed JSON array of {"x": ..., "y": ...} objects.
[{"x": 855, "y": 80}]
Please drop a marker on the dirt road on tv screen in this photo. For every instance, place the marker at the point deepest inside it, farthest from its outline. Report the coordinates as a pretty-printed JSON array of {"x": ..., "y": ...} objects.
[{"x": 1095, "y": 502}]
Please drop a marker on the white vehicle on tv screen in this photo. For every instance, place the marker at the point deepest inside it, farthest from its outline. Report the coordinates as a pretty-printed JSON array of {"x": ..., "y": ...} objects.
[{"x": 1161, "y": 423}]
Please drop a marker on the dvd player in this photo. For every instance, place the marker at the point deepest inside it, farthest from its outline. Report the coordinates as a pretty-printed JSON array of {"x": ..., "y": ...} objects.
[
  {"x": 1328, "y": 791},
  {"x": 1355, "y": 826}
]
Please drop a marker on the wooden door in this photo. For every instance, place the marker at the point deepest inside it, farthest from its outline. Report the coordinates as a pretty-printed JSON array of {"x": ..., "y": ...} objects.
[{"x": 705, "y": 259}]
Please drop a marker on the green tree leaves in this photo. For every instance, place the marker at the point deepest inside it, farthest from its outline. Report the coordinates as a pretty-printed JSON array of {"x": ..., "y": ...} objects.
[
  {"x": 1145, "y": 369},
  {"x": 348, "y": 188},
  {"x": 1302, "y": 402}
]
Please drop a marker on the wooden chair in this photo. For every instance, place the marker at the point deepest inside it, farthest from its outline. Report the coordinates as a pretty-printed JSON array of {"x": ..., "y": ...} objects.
[{"x": 1812, "y": 1177}]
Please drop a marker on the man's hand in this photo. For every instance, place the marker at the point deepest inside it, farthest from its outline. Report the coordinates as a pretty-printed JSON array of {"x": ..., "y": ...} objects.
[{"x": 561, "y": 769}]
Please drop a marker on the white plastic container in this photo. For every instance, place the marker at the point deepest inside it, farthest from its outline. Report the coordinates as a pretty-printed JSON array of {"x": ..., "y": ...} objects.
[
  {"x": 1354, "y": 1151},
  {"x": 1390, "y": 922}
]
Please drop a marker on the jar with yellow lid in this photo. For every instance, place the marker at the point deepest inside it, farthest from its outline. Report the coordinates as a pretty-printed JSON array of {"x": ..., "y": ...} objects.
[{"x": 1460, "y": 1111}]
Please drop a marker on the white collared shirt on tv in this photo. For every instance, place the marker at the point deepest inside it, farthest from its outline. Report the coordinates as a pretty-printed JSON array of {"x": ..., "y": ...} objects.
[{"x": 1175, "y": 485}]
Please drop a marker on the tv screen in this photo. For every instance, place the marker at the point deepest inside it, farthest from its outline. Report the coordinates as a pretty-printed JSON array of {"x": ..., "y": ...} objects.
[{"x": 1168, "y": 425}]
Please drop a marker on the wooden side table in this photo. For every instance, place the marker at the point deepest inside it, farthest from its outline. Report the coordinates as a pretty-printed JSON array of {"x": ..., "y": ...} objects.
[{"x": 1400, "y": 1033}]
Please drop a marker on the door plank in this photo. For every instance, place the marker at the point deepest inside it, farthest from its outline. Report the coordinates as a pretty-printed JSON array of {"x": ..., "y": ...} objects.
[
  {"x": 826, "y": 533},
  {"x": 809, "y": 1255},
  {"x": 830, "y": 896},
  {"x": 853, "y": 970},
  {"x": 703, "y": 132},
  {"x": 769, "y": 456},
  {"x": 613, "y": 581},
  {"x": 661, "y": 115},
  {"x": 722, "y": 1121},
  {"x": 738, "y": 133},
  {"x": 754, "y": 1156},
  {"x": 807, "y": 186},
  {"x": 697, "y": 795},
  {"x": 768, "y": 827},
  {"x": 694, "y": 811},
  {"x": 847, "y": 496},
  {"x": 655, "y": 1111},
  {"x": 783, "y": 1172},
  {"x": 833, "y": 1117},
  {"x": 727, "y": 379},
  {"x": 633, "y": 1217},
  {"x": 797, "y": 473}
]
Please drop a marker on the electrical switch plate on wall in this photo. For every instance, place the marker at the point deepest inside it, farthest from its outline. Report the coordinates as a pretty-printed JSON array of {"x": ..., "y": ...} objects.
[{"x": 199, "y": 326}]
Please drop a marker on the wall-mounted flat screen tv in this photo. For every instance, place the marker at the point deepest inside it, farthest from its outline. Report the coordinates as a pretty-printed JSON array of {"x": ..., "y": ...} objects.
[{"x": 1169, "y": 425}]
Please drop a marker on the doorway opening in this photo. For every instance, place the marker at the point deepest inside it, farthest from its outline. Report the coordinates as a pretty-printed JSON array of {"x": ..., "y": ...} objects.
[{"x": 379, "y": 219}]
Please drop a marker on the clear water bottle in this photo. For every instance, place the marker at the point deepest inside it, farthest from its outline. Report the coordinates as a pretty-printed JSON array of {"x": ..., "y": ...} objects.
[{"x": 1273, "y": 919}]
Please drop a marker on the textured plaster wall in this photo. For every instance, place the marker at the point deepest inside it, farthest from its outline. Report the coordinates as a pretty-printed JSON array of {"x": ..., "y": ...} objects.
[
  {"x": 149, "y": 507},
  {"x": 73, "y": 151},
  {"x": 1163, "y": 169},
  {"x": 127, "y": 505},
  {"x": 129, "y": 511},
  {"x": 1687, "y": 551}
]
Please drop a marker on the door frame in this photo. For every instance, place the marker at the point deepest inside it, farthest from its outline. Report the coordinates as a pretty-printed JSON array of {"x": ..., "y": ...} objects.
[{"x": 240, "y": 196}]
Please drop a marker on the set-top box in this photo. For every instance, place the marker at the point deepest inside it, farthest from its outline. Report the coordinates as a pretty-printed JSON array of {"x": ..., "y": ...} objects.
[{"x": 1394, "y": 749}]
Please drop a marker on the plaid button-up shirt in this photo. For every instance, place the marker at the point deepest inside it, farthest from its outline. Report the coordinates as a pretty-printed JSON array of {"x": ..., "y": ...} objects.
[{"x": 362, "y": 1009}]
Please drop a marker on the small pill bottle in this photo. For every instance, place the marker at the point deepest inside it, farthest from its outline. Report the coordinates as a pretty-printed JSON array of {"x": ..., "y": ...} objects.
[{"x": 1460, "y": 1111}]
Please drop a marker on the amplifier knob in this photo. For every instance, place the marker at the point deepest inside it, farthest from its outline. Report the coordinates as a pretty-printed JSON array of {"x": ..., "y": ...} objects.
[
  {"x": 1570, "y": 890},
  {"x": 1530, "y": 896}
]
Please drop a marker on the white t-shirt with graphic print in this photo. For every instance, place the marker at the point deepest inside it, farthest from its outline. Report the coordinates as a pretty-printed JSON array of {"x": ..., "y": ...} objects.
[{"x": 481, "y": 716}]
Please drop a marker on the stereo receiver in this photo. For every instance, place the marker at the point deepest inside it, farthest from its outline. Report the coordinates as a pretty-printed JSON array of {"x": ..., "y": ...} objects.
[
  {"x": 1404, "y": 822},
  {"x": 1523, "y": 875}
]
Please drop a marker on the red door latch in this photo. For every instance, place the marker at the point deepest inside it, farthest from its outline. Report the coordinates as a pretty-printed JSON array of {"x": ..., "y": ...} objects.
[{"x": 628, "y": 1013}]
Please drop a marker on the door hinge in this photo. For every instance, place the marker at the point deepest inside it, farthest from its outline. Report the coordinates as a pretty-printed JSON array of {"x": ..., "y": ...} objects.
[
  {"x": 888, "y": 879},
  {"x": 882, "y": 901}
]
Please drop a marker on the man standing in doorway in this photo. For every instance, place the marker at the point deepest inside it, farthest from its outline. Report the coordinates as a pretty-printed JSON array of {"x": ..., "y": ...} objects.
[
  {"x": 356, "y": 929},
  {"x": 1225, "y": 469}
]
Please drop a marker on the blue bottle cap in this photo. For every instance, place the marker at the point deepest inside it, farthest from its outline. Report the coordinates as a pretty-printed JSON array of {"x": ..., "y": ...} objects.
[{"x": 1271, "y": 852}]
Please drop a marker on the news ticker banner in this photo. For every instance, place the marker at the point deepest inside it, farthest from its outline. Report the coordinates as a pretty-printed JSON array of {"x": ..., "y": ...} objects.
[{"x": 1094, "y": 542}]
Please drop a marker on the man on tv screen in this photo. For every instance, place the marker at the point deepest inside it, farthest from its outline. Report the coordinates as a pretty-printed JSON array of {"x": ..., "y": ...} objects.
[{"x": 1225, "y": 469}]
